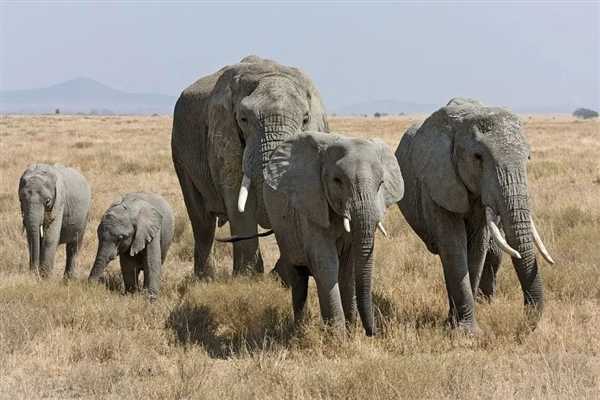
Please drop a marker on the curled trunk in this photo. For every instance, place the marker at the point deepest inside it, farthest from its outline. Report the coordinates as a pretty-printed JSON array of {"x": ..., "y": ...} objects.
[
  {"x": 363, "y": 240},
  {"x": 516, "y": 220}
]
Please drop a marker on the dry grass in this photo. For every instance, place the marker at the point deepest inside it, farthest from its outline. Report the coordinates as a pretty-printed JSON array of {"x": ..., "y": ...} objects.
[{"x": 233, "y": 338}]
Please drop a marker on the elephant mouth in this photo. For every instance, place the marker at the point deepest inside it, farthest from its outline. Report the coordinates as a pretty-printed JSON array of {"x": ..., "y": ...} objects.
[{"x": 492, "y": 220}]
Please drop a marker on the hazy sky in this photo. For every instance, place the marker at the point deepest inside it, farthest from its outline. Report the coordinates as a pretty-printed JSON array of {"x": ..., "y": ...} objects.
[{"x": 519, "y": 55}]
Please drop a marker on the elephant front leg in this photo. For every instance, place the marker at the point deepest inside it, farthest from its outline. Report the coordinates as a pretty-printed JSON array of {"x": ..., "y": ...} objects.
[
  {"x": 491, "y": 265},
  {"x": 451, "y": 242},
  {"x": 129, "y": 269},
  {"x": 324, "y": 265},
  {"x": 246, "y": 253},
  {"x": 152, "y": 267},
  {"x": 477, "y": 248},
  {"x": 49, "y": 244}
]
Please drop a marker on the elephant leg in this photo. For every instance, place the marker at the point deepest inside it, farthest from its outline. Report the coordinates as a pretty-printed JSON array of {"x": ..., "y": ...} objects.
[
  {"x": 203, "y": 225},
  {"x": 72, "y": 250},
  {"x": 152, "y": 266},
  {"x": 246, "y": 253},
  {"x": 324, "y": 265},
  {"x": 297, "y": 279},
  {"x": 477, "y": 248},
  {"x": 451, "y": 242},
  {"x": 47, "y": 254},
  {"x": 493, "y": 259},
  {"x": 347, "y": 286},
  {"x": 129, "y": 269}
]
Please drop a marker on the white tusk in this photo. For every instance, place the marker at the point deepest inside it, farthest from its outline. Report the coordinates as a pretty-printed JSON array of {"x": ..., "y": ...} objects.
[
  {"x": 382, "y": 229},
  {"x": 495, "y": 231},
  {"x": 243, "y": 196},
  {"x": 347, "y": 224},
  {"x": 539, "y": 244},
  {"x": 41, "y": 231}
]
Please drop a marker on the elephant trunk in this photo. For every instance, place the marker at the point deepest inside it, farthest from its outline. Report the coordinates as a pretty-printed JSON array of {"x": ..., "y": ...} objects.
[
  {"x": 275, "y": 129},
  {"x": 106, "y": 252},
  {"x": 516, "y": 220},
  {"x": 33, "y": 221},
  {"x": 363, "y": 225}
]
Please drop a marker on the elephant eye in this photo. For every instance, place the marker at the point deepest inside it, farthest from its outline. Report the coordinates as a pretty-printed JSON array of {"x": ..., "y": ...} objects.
[
  {"x": 337, "y": 181},
  {"x": 244, "y": 119},
  {"x": 478, "y": 157},
  {"x": 306, "y": 119},
  {"x": 121, "y": 237},
  {"x": 48, "y": 201}
]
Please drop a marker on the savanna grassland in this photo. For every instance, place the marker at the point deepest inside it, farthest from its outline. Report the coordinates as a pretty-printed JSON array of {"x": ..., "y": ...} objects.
[{"x": 233, "y": 337}]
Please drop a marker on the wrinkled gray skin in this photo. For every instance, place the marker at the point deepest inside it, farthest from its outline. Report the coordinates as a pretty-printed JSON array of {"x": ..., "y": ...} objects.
[
  {"x": 227, "y": 124},
  {"x": 56, "y": 198},
  {"x": 464, "y": 157},
  {"x": 139, "y": 229},
  {"x": 313, "y": 181}
]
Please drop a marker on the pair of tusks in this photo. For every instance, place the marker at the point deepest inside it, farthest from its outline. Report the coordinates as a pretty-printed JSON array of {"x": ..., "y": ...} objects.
[
  {"x": 379, "y": 226},
  {"x": 490, "y": 217}
]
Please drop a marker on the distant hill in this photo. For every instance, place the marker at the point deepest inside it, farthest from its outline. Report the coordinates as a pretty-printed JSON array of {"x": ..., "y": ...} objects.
[
  {"x": 84, "y": 95},
  {"x": 392, "y": 107}
]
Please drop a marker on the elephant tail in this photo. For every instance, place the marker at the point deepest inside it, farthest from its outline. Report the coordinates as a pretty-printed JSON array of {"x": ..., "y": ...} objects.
[{"x": 237, "y": 238}]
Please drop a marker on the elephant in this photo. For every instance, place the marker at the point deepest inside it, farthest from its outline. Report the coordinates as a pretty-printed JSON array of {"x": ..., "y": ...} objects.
[
  {"x": 325, "y": 195},
  {"x": 138, "y": 228},
  {"x": 55, "y": 202},
  {"x": 225, "y": 128},
  {"x": 465, "y": 168}
]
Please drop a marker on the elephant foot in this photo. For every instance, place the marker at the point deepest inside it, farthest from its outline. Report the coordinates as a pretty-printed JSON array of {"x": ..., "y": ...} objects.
[{"x": 469, "y": 328}]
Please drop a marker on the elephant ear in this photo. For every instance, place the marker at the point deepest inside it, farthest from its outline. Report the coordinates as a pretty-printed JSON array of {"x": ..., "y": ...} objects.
[
  {"x": 393, "y": 184},
  {"x": 295, "y": 170},
  {"x": 147, "y": 228},
  {"x": 431, "y": 157}
]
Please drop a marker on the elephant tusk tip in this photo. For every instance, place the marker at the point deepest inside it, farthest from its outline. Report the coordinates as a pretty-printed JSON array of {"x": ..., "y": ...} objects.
[
  {"x": 346, "y": 224},
  {"x": 382, "y": 229}
]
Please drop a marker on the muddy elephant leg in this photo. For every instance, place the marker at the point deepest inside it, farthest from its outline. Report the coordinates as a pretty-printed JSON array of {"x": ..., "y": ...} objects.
[
  {"x": 129, "y": 269},
  {"x": 246, "y": 253},
  {"x": 203, "y": 225},
  {"x": 347, "y": 286},
  {"x": 493, "y": 259}
]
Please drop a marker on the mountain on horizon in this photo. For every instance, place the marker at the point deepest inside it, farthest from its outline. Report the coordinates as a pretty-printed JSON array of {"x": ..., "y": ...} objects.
[
  {"x": 389, "y": 106},
  {"x": 83, "y": 95}
]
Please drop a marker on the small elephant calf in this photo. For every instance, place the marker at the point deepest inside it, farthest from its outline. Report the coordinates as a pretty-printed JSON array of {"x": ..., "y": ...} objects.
[
  {"x": 138, "y": 228},
  {"x": 55, "y": 201}
]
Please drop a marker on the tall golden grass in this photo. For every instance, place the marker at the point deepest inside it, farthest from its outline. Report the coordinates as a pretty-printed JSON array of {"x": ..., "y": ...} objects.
[{"x": 234, "y": 338}]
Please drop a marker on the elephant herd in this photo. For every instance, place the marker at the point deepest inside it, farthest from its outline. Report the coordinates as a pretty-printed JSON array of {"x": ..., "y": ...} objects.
[{"x": 251, "y": 146}]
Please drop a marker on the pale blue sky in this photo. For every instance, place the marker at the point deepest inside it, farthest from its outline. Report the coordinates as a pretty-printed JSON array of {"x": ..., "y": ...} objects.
[{"x": 518, "y": 55}]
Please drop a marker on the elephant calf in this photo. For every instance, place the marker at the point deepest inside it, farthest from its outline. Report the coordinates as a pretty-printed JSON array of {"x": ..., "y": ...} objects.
[
  {"x": 55, "y": 201},
  {"x": 325, "y": 195},
  {"x": 139, "y": 228}
]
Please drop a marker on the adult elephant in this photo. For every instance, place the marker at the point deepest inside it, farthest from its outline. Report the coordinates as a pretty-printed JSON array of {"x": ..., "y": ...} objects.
[
  {"x": 326, "y": 194},
  {"x": 225, "y": 127},
  {"x": 465, "y": 167}
]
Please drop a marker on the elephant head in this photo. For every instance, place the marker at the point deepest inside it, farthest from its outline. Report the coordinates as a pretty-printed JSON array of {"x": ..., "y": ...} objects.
[
  {"x": 265, "y": 103},
  {"x": 39, "y": 194},
  {"x": 333, "y": 179},
  {"x": 468, "y": 155},
  {"x": 126, "y": 228}
]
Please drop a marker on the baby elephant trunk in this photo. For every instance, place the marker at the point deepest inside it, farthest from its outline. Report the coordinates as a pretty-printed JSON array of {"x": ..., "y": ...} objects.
[{"x": 106, "y": 252}]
